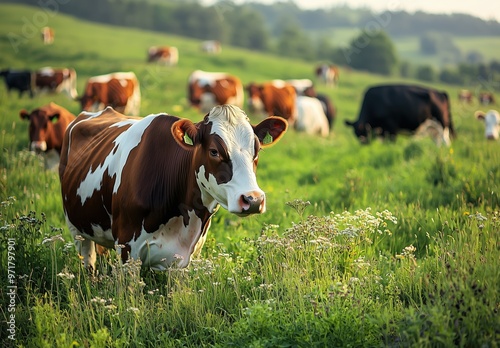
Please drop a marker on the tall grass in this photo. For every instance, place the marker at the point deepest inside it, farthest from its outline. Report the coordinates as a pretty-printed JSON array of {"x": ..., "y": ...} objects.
[{"x": 392, "y": 244}]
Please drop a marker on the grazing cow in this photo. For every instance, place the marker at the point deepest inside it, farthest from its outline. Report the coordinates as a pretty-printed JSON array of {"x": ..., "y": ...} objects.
[
  {"x": 465, "y": 96},
  {"x": 491, "y": 121},
  {"x": 165, "y": 55},
  {"x": 21, "y": 80},
  {"x": 208, "y": 89},
  {"x": 56, "y": 81},
  {"x": 328, "y": 74},
  {"x": 391, "y": 109},
  {"x": 150, "y": 186},
  {"x": 311, "y": 118},
  {"x": 326, "y": 102},
  {"x": 211, "y": 46},
  {"x": 47, "y": 125},
  {"x": 273, "y": 98},
  {"x": 47, "y": 35},
  {"x": 119, "y": 90},
  {"x": 486, "y": 98}
]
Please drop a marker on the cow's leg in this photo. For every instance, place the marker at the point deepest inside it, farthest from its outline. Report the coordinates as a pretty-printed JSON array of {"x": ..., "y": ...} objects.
[{"x": 87, "y": 251}]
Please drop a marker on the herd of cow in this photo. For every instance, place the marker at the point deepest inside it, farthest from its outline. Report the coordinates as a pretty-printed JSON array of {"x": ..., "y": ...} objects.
[{"x": 149, "y": 186}]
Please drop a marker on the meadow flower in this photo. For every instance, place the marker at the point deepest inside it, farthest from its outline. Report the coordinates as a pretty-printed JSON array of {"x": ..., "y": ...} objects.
[
  {"x": 53, "y": 239},
  {"x": 133, "y": 309},
  {"x": 66, "y": 275}
]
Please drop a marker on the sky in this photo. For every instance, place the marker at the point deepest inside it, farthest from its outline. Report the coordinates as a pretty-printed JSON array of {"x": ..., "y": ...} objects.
[{"x": 485, "y": 9}]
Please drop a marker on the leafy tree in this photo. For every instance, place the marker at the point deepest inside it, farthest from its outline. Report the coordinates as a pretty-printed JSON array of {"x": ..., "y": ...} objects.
[
  {"x": 426, "y": 73},
  {"x": 373, "y": 52},
  {"x": 428, "y": 44},
  {"x": 294, "y": 43}
]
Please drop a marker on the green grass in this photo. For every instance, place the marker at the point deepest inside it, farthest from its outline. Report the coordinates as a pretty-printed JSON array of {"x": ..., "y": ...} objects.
[{"x": 398, "y": 245}]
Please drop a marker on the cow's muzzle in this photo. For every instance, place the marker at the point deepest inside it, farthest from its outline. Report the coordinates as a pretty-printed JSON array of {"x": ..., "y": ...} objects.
[{"x": 252, "y": 203}]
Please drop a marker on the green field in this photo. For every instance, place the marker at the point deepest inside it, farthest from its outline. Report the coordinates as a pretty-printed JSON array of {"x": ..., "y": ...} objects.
[{"x": 398, "y": 245}]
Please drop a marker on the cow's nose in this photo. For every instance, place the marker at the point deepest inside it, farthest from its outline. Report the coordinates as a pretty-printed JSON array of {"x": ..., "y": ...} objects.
[{"x": 253, "y": 203}]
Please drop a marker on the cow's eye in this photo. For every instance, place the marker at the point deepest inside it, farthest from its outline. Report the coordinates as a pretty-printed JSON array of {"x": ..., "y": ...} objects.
[{"x": 214, "y": 153}]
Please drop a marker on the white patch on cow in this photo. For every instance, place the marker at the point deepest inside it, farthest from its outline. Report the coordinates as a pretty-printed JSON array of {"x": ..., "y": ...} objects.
[
  {"x": 278, "y": 83},
  {"x": 171, "y": 245},
  {"x": 114, "y": 163},
  {"x": 435, "y": 131},
  {"x": 300, "y": 84},
  {"x": 46, "y": 71},
  {"x": 231, "y": 124},
  {"x": 311, "y": 117},
  {"x": 206, "y": 78}
]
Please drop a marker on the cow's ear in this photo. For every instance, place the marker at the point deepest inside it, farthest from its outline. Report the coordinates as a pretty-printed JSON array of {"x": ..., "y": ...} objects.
[
  {"x": 349, "y": 123},
  {"x": 24, "y": 114},
  {"x": 185, "y": 132},
  {"x": 270, "y": 130},
  {"x": 479, "y": 115}
]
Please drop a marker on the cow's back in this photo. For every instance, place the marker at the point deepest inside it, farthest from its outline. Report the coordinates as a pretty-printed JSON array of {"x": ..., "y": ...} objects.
[{"x": 86, "y": 137}]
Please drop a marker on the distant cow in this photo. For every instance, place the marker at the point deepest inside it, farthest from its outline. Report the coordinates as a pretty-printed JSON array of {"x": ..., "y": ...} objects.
[
  {"x": 56, "y": 81},
  {"x": 465, "y": 96},
  {"x": 486, "y": 98},
  {"x": 164, "y": 55},
  {"x": 273, "y": 98},
  {"x": 491, "y": 121},
  {"x": 119, "y": 90},
  {"x": 47, "y": 35},
  {"x": 150, "y": 186},
  {"x": 311, "y": 118},
  {"x": 211, "y": 46},
  {"x": 326, "y": 102},
  {"x": 328, "y": 74},
  {"x": 47, "y": 125},
  {"x": 208, "y": 89},
  {"x": 20, "y": 80},
  {"x": 390, "y": 109}
]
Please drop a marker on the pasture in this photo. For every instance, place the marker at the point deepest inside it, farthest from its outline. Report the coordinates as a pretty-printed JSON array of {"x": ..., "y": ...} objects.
[{"x": 391, "y": 244}]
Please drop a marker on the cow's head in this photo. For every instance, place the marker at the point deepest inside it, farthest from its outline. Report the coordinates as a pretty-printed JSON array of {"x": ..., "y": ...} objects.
[
  {"x": 41, "y": 120},
  {"x": 255, "y": 97},
  {"x": 491, "y": 121},
  {"x": 226, "y": 149},
  {"x": 195, "y": 91},
  {"x": 362, "y": 130}
]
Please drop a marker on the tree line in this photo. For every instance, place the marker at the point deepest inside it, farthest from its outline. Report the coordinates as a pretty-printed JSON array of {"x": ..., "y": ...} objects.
[{"x": 283, "y": 27}]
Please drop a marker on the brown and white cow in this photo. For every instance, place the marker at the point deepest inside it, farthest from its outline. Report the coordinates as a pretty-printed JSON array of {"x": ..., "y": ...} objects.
[
  {"x": 120, "y": 90},
  {"x": 47, "y": 35},
  {"x": 273, "y": 98},
  {"x": 208, "y": 89},
  {"x": 47, "y": 125},
  {"x": 328, "y": 74},
  {"x": 168, "y": 55},
  {"x": 491, "y": 121},
  {"x": 211, "y": 46},
  {"x": 56, "y": 81},
  {"x": 150, "y": 186},
  {"x": 486, "y": 98},
  {"x": 465, "y": 96}
]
